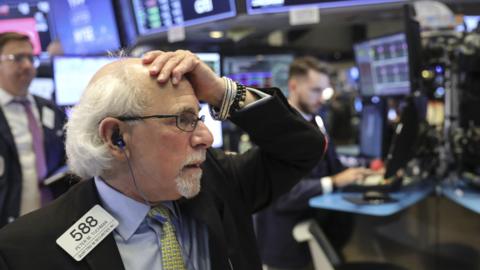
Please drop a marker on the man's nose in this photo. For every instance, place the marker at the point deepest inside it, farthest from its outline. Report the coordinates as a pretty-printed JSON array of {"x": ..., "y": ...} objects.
[{"x": 201, "y": 137}]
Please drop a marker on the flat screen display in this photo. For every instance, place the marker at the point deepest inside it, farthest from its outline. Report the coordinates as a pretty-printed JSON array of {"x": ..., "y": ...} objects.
[
  {"x": 28, "y": 18},
  {"x": 259, "y": 71},
  {"x": 72, "y": 75},
  {"x": 212, "y": 60},
  {"x": 213, "y": 125},
  {"x": 42, "y": 87},
  {"x": 269, "y": 6},
  {"x": 470, "y": 24},
  {"x": 383, "y": 66},
  {"x": 155, "y": 16},
  {"x": 371, "y": 132},
  {"x": 86, "y": 26}
]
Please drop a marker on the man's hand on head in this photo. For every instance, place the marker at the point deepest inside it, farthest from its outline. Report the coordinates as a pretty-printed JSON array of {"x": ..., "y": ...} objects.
[{"x": 208, "y": 86}]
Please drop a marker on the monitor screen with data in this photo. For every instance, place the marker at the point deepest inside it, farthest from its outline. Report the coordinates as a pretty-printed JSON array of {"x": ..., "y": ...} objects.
[
  {"x": 383, "y": 66},
  {"x": 269, "y": 6},
  {"x": 259, "y": 70},
  {"x": 156, "y": 16}
]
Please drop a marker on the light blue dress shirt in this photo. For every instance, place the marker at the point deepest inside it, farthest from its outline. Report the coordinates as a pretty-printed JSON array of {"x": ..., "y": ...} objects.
[{"x": 138, "y": 237}]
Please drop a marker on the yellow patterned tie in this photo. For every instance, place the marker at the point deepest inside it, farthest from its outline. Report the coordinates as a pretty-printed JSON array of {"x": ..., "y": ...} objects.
[{"x": 171, "y": 253}]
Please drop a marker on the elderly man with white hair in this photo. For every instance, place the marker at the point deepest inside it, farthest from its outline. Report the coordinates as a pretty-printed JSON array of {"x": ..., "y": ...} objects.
[{"x": 155, "y": 195}]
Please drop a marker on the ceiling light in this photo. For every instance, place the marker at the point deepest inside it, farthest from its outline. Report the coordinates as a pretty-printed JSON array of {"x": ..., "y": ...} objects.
[{"x": 216, "y": 34}]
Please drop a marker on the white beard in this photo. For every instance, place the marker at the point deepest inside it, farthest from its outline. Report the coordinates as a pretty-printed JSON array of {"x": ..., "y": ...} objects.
[{"x": 188, "y": 185}]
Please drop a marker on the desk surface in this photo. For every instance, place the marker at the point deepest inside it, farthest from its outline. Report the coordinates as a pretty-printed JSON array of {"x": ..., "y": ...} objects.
[
  {"x": 404, "y": 198},
  {"x": 463, "y": 195}
]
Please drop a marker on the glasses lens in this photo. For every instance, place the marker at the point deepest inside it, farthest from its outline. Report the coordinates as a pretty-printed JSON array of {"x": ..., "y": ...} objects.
[
  {"x": 19, "y": 58},
  {"x": 187, "y": 121}
]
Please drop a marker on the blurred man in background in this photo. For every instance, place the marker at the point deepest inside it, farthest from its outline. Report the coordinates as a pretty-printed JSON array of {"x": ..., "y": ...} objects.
[
  {"x": 31, "y": 140},
  {"x": 308, "y": 81}
]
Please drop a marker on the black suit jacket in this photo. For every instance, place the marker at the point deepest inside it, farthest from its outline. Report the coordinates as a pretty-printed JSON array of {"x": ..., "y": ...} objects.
[
  {"x": 11, "y": 179},
  {"x": 233, "y": 187},
  {"x": 275, "y": 224}
]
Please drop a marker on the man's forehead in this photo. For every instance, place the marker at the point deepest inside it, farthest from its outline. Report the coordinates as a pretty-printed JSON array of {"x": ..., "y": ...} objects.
[
  {"x": 17, "y": 45},
  {"x": 131, "y": 66}
]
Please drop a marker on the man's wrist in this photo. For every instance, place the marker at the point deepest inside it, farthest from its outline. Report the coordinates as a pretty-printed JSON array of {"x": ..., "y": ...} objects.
[
  {"x": 235, "y": 97},
  {"x": 218, "y": 94}
]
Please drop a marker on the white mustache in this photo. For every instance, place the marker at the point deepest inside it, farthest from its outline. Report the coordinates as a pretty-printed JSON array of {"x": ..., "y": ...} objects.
[{"x": 195, "y": 158}]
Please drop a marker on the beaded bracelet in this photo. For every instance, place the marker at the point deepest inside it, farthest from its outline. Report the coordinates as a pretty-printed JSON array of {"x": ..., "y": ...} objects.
[{"x": 239, "y": 100}]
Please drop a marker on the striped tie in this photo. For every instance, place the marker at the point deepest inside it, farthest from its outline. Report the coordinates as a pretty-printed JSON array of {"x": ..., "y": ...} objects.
[{"x": 171, "y": 252}]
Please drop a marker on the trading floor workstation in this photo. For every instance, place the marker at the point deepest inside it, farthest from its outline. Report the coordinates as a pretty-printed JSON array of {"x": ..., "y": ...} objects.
[{"x": 394, "y": 92}]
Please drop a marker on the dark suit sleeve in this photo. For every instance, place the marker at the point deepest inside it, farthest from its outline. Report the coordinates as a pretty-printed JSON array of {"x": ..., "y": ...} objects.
[
  {"x": 297, "y": 198},
  {"x": 3, "y": 264},
  {"x": 288, "y": 148}
]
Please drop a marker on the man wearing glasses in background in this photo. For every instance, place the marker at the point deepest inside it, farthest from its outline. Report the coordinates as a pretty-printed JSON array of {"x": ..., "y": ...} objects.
[{"x": 31, "y": 139}]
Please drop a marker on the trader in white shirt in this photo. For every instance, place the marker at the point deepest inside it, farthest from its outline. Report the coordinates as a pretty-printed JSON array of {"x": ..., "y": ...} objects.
[{"x": 31, "y": 140}]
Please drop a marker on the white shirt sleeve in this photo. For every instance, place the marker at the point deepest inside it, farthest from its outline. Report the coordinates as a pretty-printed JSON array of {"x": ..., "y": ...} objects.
[{"x": 327, "y": 184}]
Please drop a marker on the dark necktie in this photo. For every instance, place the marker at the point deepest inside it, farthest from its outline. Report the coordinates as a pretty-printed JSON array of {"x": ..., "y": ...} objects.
[{"x": 37, "y": 145}]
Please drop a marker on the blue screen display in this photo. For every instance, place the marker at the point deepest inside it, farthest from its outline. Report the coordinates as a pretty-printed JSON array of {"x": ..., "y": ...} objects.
[
  {"x": 85, "y": 26},
  {"x": 269, "y": 6},
  {"x": 156, "y": 16},
  {"x": 371, "y": 131}
]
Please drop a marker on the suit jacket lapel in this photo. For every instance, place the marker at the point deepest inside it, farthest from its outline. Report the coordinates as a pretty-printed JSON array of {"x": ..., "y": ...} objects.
[
  {"x": 6, "y": 133},
  {"x": 105, "y": 255},
  {"x": 203, "y": 208}
]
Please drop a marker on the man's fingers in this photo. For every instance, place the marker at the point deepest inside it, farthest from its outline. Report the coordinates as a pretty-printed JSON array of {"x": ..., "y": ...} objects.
[
  {"x": 188, "y": 64},
  {"x": 156, "y": 67},
  {"x": 167, "y": 69},
  {"x": 148, "y": 57}
]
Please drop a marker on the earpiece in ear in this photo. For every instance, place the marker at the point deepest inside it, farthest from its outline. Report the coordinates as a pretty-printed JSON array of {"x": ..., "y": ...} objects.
[{"x": 117, "y": 139}]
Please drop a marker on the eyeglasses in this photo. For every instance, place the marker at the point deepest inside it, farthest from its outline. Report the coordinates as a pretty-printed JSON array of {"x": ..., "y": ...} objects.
[
  {"x": 19, "y": 58},
  {"x": 186, "y": 121}
]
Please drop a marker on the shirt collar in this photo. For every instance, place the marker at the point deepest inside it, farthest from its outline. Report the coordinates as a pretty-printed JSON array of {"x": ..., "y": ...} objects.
[
  {"x": 129, "y": 213},
  {"x": 307, "y": 117},
  {"x": 6, "y": 98}
]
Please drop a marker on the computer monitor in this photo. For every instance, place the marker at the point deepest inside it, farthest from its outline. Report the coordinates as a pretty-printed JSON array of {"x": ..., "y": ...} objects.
[
  {"x": 158, "y": 16},
  {"x": 213, "y": 125},
  {"x": 384, "y": 66},
  {"x": 269, "y": 6},
  {"x": 260, "y": 70},
  {"x": 86, "y": 27},
  {"x": 405, "y": 137},
  {"x": 212, "y": 60},
  {"x": 72, "y": 75},
  {"x": 470, "y": 23},
  {"x": 42, "y": 87},
  {"x": 371, "y": 131},
  {"x": 28, "y": 18}
]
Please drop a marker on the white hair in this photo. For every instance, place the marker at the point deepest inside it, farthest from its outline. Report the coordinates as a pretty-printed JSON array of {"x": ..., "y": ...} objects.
[{"x": 111, "y": 95}]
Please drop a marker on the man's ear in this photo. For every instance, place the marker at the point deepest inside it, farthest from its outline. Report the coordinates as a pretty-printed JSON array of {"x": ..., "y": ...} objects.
[
  {"x": 111, "y": 132},
  {"x": 292, "y": 85}
]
